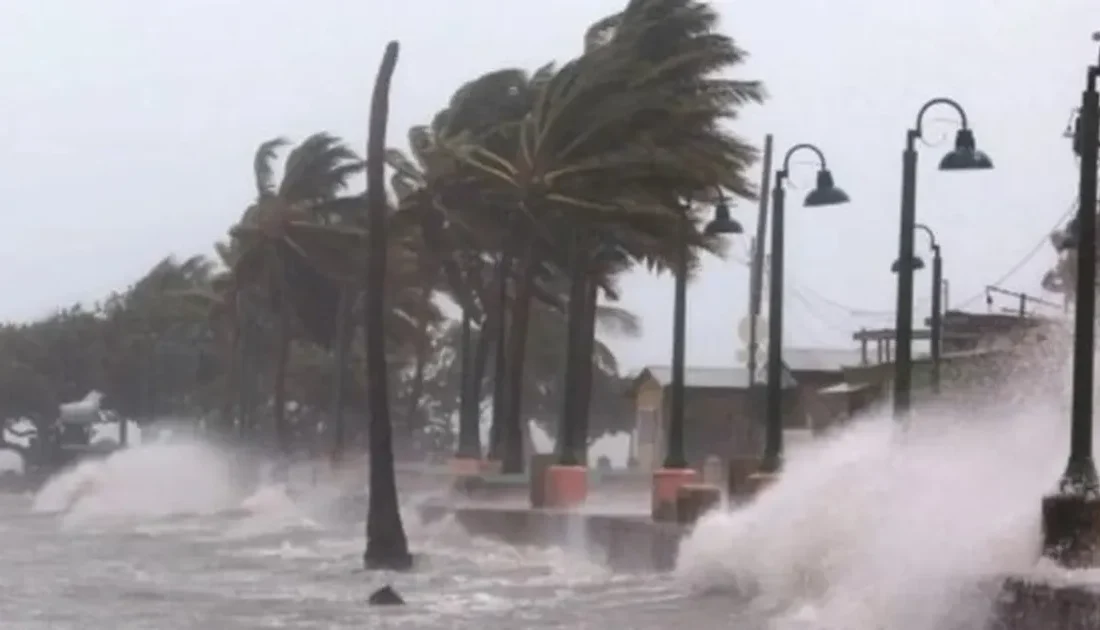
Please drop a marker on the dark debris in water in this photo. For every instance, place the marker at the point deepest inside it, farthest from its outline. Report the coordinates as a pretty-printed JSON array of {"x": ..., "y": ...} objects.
[{"x": 386, "y": 596}]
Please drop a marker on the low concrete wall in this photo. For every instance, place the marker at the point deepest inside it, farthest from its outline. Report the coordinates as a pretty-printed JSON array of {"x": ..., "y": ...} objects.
[
  {"x": 1026, "y": 605},
  {"x": 623, "y": 543}
]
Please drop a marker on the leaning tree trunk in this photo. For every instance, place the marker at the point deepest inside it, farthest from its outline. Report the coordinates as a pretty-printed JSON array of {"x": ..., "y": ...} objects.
[
  {"x": 512, "y": 427},
  {"x": 387, "y": 545},
  {"x": 339, "y": 395}
]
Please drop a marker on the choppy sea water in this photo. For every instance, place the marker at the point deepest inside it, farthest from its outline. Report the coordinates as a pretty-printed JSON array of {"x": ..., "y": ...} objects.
[
  {"x": 135, "y": 549},
  {"x": 881, "y": 526}
]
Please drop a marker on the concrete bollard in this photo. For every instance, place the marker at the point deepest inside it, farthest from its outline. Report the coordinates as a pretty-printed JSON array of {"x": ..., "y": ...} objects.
[
  {"x": 666, "y": 484},
  {"x": 539, "y": 464},
  {"x": 694, "y": 500}
]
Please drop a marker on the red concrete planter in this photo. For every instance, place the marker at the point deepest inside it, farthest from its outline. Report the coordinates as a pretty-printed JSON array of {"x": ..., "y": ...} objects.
[
  {"x": 666, "y": 485},
  {"x": 566, "y": 486}
]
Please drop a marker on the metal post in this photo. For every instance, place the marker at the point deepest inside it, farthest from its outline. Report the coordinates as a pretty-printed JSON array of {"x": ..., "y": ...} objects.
[
  {"x": 1071, "y": 517},
  {"x": 1081, "y": 472},
  {"x": 937, "y": 317},
  {"x": 756, "y": 282},
  {"x": 675, "y": 457},
  {"x": 903, "y": 366},
  {"x": 773, "y": 435}
]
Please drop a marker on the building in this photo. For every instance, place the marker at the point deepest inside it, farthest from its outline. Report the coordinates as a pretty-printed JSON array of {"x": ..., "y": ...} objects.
[{"x": 719, "y": 417}]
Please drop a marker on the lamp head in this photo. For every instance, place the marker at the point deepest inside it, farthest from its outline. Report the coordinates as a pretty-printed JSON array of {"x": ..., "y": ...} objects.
[
  {"x": 723, "y": 223},
  {"x": 917, "y": 265},
  {"x": 965, "y": 156},
  {"x": 825, "y": 193}
]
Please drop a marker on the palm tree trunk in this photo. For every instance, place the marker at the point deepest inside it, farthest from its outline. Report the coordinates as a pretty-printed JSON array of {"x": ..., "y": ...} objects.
[
  {"x": 469, "y": 429},
  {"x": 232, "y": 386},
  {"x": 244, "y": 381},
  {"x": 585, "y": 364},
  {"x": 387, "y": 545},
  {"x": 282, "y": 431},
  {"x": 568, "y": 431},
  {"x": 339, "y": 395},
  {"x": 420, "y": 352},
  {"x": 511, "y": 430},
  {"x": 500, "y": 334}
]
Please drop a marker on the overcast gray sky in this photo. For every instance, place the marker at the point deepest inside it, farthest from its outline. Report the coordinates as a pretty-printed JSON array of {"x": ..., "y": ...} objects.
[{"x": 127, "y": 129}]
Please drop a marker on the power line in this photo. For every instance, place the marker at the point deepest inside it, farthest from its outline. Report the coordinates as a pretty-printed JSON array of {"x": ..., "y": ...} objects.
[
  {"x": 1023, "y": 261},
  {"x": 818, "y": 316},
  {"x": 853, "y": 311}
]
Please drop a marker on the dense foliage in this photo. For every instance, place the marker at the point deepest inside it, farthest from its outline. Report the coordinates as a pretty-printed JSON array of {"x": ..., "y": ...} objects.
[{"x": 521, "y": 202}]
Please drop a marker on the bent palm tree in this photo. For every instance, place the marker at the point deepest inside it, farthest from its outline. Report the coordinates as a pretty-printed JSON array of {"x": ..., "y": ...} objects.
[{"x": 387, "y": 545}]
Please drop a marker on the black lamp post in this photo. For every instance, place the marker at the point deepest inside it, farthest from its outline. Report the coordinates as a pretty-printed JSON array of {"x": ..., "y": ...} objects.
[
  {"x": 936, "y": 335},
  {"x": 964, "y": 157},
  {"x": 723, "y": 223},
  {"x": 1071, "y": 516},
  {"x": 825, "y": 193}
]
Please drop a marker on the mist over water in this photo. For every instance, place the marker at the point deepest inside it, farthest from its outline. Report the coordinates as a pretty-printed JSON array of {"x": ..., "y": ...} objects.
[
  {"x": 888, "y": 526},
  {"x": 150, "y": 480}
]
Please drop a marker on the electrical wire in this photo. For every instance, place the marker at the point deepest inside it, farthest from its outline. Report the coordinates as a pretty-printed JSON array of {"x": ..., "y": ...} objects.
[
  {"x": 854, "y": 311},
  {"x": 814, "y": 314},
  {"x": 1023, "y": 261}
]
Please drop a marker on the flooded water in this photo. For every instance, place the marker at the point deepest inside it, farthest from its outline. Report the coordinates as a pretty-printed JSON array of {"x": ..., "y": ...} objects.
[
  {"x": 128, "y": 544},
  {"x": 881, "y": 526}
]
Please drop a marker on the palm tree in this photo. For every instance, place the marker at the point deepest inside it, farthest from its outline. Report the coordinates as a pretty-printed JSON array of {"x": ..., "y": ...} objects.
[
  {"x": 604, "y": 150},
  {"x": 292, "y": 257},
  {"x": 387, "y": 545}
]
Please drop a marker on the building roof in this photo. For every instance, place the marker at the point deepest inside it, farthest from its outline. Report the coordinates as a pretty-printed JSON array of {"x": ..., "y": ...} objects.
[
  {"x": 820, "y": 359},
  {"x": 706, "y": 377}
]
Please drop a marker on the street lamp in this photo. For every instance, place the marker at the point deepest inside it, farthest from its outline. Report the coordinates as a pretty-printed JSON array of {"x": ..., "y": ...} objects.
[
  {"x": 676, "y": 472},
  {"x": 723, "y": 223},
  {"x": 964, "y": 157},
  {"x": 936, "y": 336},
  {"x": 825, "y": 193},
  {"x": 1071, "y": 516}
]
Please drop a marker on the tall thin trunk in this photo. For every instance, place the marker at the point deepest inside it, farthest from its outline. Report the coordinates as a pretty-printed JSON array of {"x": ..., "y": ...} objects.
[
  {"x": 282, "y": 430},
  {"x": 511, "y": 431},
  {"x": 569, "y": 433},
  {"x": 422, "y": 345},
  {"x": 499, "y": 341},
  {"x": 469, "y": 427},
  {"x": 344, "y": 327},
  {"x": 387, "y": 545},
  {"x": 586, "y": 365},
  {"x": 231, "y": 384},
  {"x": 244, "y": 381}
]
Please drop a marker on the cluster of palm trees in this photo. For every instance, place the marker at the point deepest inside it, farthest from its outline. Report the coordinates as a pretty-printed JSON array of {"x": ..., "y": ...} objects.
[{"x": 524, "y": 199}]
